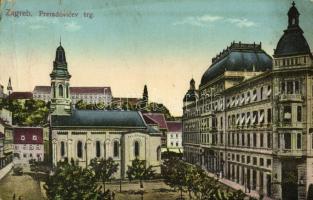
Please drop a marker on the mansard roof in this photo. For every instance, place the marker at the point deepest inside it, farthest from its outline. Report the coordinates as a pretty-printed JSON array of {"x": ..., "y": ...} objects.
[
  {"x": 76, "y": 90},
  {"x": 238, "y": 57}
]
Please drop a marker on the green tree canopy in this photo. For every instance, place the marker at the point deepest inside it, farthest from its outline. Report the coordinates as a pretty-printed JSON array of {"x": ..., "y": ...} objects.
[
  {"x": 139, "y": 171},
  {"x": 71, "y": 182},
  {"x": 103, "y": 169}
]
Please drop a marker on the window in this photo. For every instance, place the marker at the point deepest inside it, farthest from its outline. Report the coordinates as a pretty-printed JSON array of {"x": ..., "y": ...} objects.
[
  {"x": 24, "y": 155},
  {"x": 287, "y": 114},
  {"x": 297, "y": 88},
  {"x": 116, "y": 149},
  {"x": 98, "y": 149},
  {"x": 261, "y": 93},
  {"x": 269, "y": 115},
  {"x": 60, "y": 90},
  {"x": 66, "y": 91},
  {"x": 268, "y": 162},
  {"x": 243, "y": 139},
  {"x": 62, "y": 149},
  {"x": 34, "y": 137},
  {"x": 287, "y": 140},
  {"x": 79, "y": 149},
  {"x": 269, "y": 140},
  {"x": 22, "y": 137},
  {"x": 248, "y": 159},
  {"x": 248, "y": 140},
  {"x": 289, "y": 87},
  {"x": 30, "y": 155},
  {"x": 299, "y": 113},
  {"x": 136, "y": 150},
  {"x": 177, "y": 144},
  {"x": 255, "y": 161},
  {"x": 261, "y": 140},
  {"x": 254, "y": 139},
  {"x": 261, "y": 162},
  {"x": 299, "y": 141}
]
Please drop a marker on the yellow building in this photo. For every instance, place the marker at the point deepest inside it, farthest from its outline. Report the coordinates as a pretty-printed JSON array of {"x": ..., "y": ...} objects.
[{"x": 250, "y": 121}]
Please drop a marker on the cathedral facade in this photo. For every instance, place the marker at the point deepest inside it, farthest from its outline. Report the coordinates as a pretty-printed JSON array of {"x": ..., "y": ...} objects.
[
  {"x": 86, "y": 134},
  {"x": 250, "y": 120}
]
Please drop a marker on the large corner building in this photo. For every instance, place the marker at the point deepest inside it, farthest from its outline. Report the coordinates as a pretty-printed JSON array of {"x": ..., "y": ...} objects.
[{"x": 250, "y": 120}]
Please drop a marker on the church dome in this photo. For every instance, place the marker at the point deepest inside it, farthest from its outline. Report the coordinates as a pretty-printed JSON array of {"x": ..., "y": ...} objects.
[
  {"x": 238, "y": 57},
  {"x": 292, "y": 42}
]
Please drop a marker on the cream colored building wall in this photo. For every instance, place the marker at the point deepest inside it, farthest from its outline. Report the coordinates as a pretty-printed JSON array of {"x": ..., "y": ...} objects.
[{"x": 148, "y": 146}]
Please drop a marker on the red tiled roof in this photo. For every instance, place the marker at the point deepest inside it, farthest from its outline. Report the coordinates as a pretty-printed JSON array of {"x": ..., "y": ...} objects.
[
  {"x": 157, "y": 117},
  {"x": 174, "y": 126},
  {"x": 26, "y": 135},
  {"x": 77, "y": 90},
  {"x": 149, "y": 121},
  {"x": 21, "y": 95}
]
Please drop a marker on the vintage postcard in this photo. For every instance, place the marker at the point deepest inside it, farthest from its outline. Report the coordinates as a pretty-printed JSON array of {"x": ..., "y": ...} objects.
[{"x": 156, "y": 100}]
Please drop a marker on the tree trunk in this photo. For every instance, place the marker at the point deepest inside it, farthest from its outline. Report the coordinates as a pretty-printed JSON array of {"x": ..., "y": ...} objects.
[
  {"x": 181, "y": 193},
  {"x": 103, "y": 182}
]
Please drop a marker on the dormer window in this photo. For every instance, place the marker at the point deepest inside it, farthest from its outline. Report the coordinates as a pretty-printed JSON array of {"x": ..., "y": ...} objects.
[
  {"x": 22, "y": 137},
  {"x": 34, "y": 137}
]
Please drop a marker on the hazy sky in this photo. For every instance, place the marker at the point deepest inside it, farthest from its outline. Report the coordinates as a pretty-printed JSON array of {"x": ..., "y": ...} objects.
[{"x": 129, "y": 43}]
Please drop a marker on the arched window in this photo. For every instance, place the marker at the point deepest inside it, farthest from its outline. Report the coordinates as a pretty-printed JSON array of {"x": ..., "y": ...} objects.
[
  {"x": 60, "y": 90},
  {"x": 116, "y": 149},
  {"x": 98, "y": 151},
  {"x": 79, "y": 149},
  {"x": 62, "y": 149},
  {"x": 136, "y": 149},
  {"x": 158, "y": 154}
]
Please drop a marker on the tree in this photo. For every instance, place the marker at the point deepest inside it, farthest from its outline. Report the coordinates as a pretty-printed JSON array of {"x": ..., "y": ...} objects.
[
  {"x": 174, "y": 174},
  {"x": 139, "y": 171},
  {"x": 103, "y": 169},
  {"x": 70, "y": 181}
]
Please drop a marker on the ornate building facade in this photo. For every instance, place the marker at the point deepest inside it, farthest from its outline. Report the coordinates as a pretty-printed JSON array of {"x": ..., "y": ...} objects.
[
  {"x": 250, "y": 121},
  {"x": 86, "y": 134}
]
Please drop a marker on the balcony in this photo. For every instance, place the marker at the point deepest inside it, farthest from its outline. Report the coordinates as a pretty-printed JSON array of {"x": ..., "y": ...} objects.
[
  {"x": 289, "y": 125},
  {"x": 289, "y": 152},
  {"x": 291, "y": 97}
]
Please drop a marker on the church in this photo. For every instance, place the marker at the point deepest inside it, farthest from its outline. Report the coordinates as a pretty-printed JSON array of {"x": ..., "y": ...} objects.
[{"x": 86, "y": 134}]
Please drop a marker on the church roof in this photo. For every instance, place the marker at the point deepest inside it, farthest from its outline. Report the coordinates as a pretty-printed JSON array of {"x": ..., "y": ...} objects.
[
  {"x": 99, "y": 118},
  {"x": 238, "y": 57}
]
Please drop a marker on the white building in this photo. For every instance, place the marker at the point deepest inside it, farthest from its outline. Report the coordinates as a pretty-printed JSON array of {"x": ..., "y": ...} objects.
[
  {"x": 28, "y": 144},
  {"x": 90, "y": 95},
  {"x": 174, "y": 136}
]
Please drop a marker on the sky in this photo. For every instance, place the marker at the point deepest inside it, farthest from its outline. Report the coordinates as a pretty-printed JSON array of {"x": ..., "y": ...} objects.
[{"x": 127, "y": 44}]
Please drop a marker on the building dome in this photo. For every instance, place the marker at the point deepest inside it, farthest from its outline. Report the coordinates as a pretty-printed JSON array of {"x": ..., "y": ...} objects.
[
  {"x": 238, "y": 57},
  {"x": 292, "y": 42},
  {"x": 192, "y": 93}
]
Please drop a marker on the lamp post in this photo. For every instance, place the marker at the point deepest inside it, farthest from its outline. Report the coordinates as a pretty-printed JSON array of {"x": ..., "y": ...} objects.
[{"x": 120, "y": 165}]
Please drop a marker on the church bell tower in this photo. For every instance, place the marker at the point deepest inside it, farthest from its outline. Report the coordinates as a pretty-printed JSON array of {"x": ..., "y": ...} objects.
[{"x": 60, "y": 84}]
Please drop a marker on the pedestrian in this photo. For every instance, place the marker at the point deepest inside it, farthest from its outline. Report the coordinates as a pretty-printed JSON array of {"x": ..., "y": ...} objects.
[
  {"x": 14, "y": 196},
  {"x": 113, "y": 195}
]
